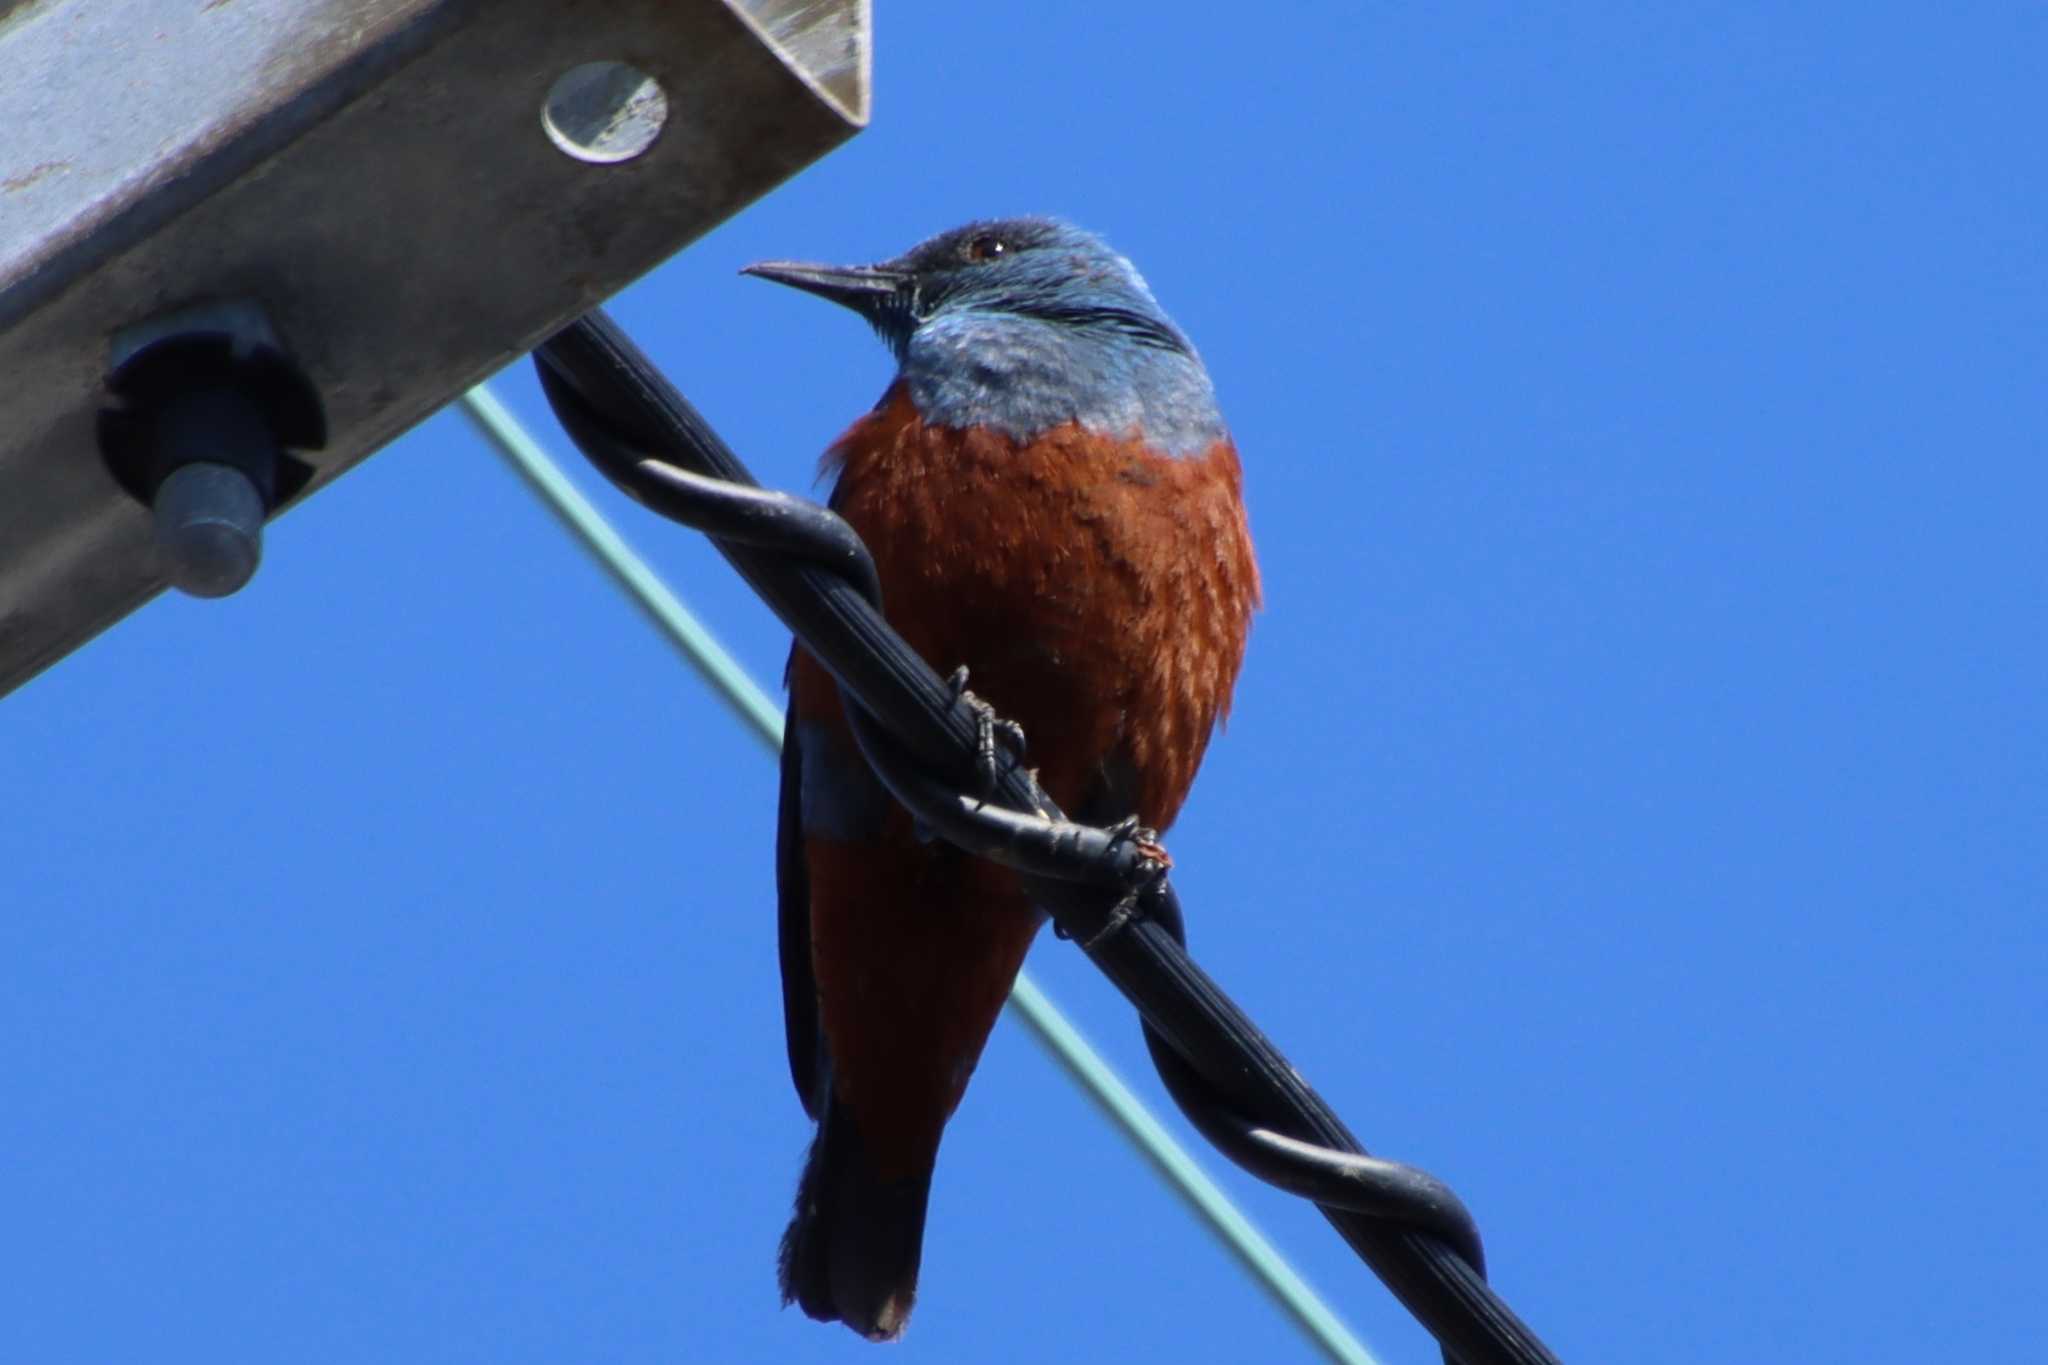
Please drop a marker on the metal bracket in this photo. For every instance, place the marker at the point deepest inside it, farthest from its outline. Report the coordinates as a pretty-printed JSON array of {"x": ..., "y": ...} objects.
[{"x": 412, "y": 191}]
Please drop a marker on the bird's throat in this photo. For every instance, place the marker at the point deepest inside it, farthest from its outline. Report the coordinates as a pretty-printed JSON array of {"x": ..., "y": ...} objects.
[{"x": 1022, "y": 377}]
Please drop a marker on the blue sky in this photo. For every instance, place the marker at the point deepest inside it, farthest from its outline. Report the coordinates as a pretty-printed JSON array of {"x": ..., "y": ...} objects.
[{"x": 1632, "y": 813}]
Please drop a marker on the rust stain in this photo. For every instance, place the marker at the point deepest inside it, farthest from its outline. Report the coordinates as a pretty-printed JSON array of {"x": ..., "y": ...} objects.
[{"x": 31, "y": 175}]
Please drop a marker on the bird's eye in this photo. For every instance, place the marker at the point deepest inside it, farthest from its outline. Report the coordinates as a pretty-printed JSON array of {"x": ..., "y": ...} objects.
[{"x": 986, "y": 247}]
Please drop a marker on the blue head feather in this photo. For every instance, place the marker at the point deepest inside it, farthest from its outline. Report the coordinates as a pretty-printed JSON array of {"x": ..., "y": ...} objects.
[{"x": 1020, "y": 325}]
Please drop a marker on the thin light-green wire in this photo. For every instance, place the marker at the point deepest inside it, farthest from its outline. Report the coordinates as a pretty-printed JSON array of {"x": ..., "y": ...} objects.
[{"x": 1044, "y": 1019}]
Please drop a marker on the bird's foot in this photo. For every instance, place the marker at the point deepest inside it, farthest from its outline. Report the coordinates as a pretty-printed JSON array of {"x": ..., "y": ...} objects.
[
  {"x": 1144, "y": 839},
  {"x": 1154, "y": 861},
  {"x": 1120, "y": 914},
  {"x": 989, "y": 728}
]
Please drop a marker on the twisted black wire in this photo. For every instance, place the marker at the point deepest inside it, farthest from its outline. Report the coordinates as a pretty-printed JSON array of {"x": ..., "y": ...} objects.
[{"x": 1234, "y": 1085}]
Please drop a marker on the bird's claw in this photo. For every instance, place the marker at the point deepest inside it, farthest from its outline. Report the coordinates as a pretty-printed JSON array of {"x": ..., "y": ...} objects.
[
  {"x": 989, "y": 763},
  {"x": 1120, "y": 914},
  {"x": 1144, "y": 839},
  {"x": 1154, "y": 860}
]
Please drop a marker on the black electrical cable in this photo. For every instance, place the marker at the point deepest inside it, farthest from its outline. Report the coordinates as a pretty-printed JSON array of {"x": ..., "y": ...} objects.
[{"x": 1098, "y": 885}]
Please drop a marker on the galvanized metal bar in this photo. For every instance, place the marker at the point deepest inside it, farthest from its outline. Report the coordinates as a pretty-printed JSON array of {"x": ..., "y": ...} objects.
[{"x": 379, "y": 178}]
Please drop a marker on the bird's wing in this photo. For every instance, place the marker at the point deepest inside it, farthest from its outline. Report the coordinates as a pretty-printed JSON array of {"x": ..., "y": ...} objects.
[{"x": 793, "y": 915}]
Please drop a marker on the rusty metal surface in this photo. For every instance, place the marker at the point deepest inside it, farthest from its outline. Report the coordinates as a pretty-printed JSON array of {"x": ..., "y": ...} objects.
[{"x": 376, "y": 174}]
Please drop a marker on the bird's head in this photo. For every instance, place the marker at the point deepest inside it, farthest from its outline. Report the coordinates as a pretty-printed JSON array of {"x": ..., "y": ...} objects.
[
  {"x": 1034, "y": 268},
  {"x": 1019, "y": 325}
]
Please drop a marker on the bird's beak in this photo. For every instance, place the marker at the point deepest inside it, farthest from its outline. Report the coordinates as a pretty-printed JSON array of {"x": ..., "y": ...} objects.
[{"x": 863, "y": 288}]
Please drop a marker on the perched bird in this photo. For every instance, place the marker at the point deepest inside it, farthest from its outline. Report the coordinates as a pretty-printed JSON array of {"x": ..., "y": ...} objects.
[{"x": 1053, "y": 502}]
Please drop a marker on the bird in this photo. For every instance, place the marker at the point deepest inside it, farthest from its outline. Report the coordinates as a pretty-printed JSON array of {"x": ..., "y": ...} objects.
[{"x": 1054, "y": 505}]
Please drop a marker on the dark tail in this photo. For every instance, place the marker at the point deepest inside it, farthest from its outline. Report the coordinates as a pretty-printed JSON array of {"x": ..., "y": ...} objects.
[{"x": 852, "y": 1250}]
